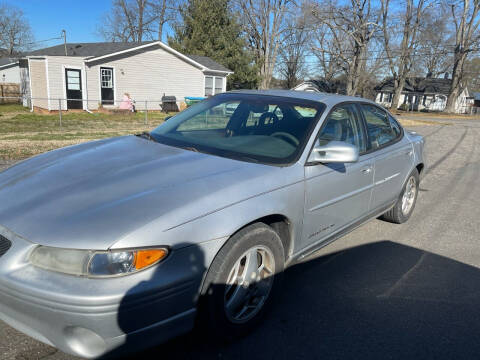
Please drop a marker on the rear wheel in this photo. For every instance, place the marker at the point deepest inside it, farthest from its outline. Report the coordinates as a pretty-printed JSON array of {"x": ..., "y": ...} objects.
[
  {"x": 405, "y": 204},
  {"x": 242, "y": 280}
]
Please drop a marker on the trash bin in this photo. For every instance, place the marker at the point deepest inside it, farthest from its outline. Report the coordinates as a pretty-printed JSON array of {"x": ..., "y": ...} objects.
[{"x": 190, "y": 100}]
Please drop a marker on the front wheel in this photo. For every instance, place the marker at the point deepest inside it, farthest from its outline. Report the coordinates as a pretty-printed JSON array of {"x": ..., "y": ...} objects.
[
  {"x": 405, "y": 204},
  {"x": 241, "y": 281}
]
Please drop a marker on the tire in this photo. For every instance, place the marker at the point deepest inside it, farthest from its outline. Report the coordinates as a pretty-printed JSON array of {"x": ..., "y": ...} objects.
[
  {"x": 218, "y": 296},
  {"x": 398, "y": 214}
]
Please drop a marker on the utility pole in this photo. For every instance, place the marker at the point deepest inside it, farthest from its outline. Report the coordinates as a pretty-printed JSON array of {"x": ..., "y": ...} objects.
[{"x": 64, "y": 34}]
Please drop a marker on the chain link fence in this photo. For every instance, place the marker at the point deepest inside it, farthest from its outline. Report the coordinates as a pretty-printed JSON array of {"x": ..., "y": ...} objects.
[
  {"x": 126, "y": 107},
  {"x": 30, "y": 126}
]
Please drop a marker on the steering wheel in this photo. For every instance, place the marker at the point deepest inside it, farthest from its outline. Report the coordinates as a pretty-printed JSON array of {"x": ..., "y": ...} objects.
[
  {"x": 272, "y": 116},
  {"x": 286, "y": 136}
]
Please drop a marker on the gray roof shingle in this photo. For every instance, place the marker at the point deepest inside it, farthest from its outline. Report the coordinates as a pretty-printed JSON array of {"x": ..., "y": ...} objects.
[
  {"x": 419, "y": 85},
  {"x": 208, "y": 63},
  {"x": 104, "y": 48},
  {"x": 6, "y": 61},
  {"x": 86, "y": 49}
]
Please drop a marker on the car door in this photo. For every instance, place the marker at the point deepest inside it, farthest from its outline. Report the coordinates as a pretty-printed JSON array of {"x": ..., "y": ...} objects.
[
  {"x": 336, "y": 195},
  {"x": 393, "y": 155}
]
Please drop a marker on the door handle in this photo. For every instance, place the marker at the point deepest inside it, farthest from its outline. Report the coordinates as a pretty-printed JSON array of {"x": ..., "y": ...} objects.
[
  {"x": 409, "y": 153},
  {"x": 367, "y": 170}
]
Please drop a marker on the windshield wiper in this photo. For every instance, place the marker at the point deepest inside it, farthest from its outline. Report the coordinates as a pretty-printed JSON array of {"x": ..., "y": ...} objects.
[
  {"x": 191, "y": 148},
  {"x": 147, "y": 135},
  {"x": 247, "y": 158}
]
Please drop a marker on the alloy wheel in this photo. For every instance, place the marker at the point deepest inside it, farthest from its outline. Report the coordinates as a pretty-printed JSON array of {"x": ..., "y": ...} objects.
[{"x": 248, "y": 284}]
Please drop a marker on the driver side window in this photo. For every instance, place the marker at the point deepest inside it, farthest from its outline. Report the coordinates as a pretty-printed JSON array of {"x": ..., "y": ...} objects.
[
  {"x": 381, "y": 130},
  {"x": 342, "y": 124}
]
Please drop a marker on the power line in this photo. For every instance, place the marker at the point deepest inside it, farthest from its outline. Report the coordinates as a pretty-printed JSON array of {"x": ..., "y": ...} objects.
[
  {"x": 42, "y": 41},
  {"x": 336, "y": 59}
]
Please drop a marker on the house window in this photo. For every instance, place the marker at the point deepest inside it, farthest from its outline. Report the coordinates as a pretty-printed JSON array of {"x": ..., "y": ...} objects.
[
  {"x": 107, "y": 77},
  {"x": 73, "y": 80},
  {"x": 213, "y": 85},
  {"x": 218, "y": 85},
  {"x": 381, "y": 96},
  {"x": 390, "y": 97},
  {"x": 208, "y": 85}
]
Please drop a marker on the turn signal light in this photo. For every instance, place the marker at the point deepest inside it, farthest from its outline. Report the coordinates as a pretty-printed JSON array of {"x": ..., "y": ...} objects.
[{"x": 145, "y": 258}]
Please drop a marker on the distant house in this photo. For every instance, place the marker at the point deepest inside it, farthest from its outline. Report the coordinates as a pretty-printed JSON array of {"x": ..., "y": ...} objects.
[
  {"x": 9, "y": 71},
  {"x": 476, "y": 99},
  {"x": 91, "y": 75},
  {"x": 334, "y": 86},
  {"x": 422, "y": 94}
]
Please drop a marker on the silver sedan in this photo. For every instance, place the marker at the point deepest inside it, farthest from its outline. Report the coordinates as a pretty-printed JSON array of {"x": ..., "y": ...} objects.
[{"x": 119, "y": 244}]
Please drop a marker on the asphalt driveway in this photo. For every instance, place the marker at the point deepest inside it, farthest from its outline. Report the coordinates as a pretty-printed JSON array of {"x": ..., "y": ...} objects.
[{"x": 384, "y": 291}]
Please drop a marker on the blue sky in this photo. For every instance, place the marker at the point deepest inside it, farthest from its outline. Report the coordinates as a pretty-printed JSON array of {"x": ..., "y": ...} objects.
[{"x": 48, "y": 17}]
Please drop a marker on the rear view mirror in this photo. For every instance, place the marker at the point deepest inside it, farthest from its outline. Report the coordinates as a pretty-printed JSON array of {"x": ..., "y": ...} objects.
[
  {"x": 168, "y": 117},
  {"x": 334, "y": 152}
]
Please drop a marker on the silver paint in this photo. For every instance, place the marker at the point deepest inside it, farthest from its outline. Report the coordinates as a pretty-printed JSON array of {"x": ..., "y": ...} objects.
[{"x": 128, "y": 192}]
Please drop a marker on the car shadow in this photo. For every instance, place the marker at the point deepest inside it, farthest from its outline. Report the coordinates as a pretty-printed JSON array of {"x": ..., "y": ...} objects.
[{"x": 382, "y": 300}]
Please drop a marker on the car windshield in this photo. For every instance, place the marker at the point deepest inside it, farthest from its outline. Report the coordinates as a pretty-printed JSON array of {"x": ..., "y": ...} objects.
[{"x": 250, "y": 127}]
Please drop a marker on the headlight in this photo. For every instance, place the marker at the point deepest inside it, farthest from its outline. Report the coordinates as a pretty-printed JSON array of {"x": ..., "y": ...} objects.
[{"x": 96, "y": 263}]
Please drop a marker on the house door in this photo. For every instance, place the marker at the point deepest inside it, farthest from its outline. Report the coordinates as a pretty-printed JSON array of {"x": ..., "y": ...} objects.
[
  {"x": 73, "y": 83},
  {"x": 106, "y": 80}
]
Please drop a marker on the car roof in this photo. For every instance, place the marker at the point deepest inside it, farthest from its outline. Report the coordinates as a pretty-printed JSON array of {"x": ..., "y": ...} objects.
[{"x": 327, "y": 99}]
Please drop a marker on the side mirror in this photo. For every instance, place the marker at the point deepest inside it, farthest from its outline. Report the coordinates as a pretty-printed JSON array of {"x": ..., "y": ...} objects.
[{"x": 334, "y": 152}]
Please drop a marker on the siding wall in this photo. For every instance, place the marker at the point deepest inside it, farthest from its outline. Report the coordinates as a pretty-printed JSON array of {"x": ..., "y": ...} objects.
[
  {"x": 38, "y": 76},
  {"x": 10, "y": 74},
  {"x": 56, "y": 77},
  {"x": 147, "y": 76}
]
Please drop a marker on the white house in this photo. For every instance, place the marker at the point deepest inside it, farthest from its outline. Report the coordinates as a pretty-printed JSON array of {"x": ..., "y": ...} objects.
[
  {"x": 334, "y": 86},
  {"x": 9, "y": 71},
  {"x": 423, "y": 94},
  {"x": 91, "y": 75}
]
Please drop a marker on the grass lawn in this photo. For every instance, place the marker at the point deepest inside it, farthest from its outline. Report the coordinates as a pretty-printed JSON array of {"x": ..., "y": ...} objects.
[
  {"x": 12, "y": 108},
  {"x": 24, "y": 134}
]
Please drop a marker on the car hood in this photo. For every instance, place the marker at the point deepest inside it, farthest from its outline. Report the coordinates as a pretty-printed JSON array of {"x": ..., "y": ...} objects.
[{"x": 90, "y": 195}]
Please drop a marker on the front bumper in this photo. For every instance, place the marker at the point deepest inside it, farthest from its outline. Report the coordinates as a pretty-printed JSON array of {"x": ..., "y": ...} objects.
[{"x": 97, "y": 317}]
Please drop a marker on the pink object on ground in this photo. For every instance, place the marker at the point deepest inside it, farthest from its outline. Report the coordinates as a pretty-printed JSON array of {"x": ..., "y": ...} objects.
[{"x": 126, "y": 103}]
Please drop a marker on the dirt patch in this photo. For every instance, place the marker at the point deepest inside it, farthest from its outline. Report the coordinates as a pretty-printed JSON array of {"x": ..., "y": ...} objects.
[
  {"x": 415, "y": 122},
  {"x": 436, "y": 115}
]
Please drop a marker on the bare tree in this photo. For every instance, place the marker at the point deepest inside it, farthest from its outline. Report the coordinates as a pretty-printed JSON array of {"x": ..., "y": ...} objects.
[
  {"x": 435, "y": 45},
  {"x": 165, "y": 11},
  {"x": 321, "y": 46},
  {"x": 472, "y": 74},
  {"x": 400, "y": 61},
  {"x": 15, "y": 32},
  {"x": 292, "y": 52},
  {"x": 136, "y": 20},
  {"x": 350, "y": 28},
  {"x": 264, "y": 24},
  {"x": 466, "y": 20}
]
